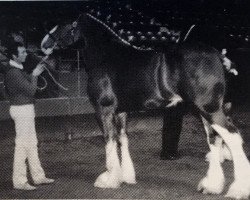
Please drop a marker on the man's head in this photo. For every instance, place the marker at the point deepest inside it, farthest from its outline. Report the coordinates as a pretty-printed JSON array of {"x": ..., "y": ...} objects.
[{"x": 17, "y": 52}]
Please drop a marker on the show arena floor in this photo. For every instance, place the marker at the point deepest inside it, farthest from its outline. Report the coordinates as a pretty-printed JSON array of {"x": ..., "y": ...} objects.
[{"x": 77, "y": 163}]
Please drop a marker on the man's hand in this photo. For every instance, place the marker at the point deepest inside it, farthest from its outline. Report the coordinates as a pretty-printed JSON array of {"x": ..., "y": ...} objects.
[{"x": 38, "y": 70}]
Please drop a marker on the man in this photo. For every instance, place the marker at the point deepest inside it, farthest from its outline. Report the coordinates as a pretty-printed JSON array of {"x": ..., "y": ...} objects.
[{"x": 21, "y": 88}]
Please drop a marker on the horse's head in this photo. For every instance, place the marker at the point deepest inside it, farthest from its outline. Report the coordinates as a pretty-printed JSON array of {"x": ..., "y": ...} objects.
[{"x": 60, "y": 37}]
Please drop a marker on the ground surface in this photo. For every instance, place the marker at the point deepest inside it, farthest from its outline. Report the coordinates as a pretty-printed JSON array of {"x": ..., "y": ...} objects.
[{"x": 76, "y": 164}]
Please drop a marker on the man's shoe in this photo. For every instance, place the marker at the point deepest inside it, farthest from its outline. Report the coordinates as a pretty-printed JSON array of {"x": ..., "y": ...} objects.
[
  {"x": 170, "y": 156},
  {"x": 24, "y": 186},
  {"x": 43, "y": 181}
]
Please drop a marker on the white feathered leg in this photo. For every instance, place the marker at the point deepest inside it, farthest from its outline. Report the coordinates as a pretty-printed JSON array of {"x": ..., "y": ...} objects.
[
  {"x": 128, "y": 171},
  {"x": 240, "y": 188},
  {"x": 225, "y": 153},
  {"x": 214, "y": 181},
  {"x": 112, "y": 177}
]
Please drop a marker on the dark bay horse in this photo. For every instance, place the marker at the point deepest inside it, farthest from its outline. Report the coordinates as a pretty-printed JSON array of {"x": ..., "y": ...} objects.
[{"x": 122, "y": 78}]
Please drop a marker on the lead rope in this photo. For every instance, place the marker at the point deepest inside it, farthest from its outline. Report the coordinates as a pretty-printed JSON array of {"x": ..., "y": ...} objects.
[
  {"x": 45, "y": 83},
  {"x": 54, "y": 80},
  {"x": 50, "y": 74}
]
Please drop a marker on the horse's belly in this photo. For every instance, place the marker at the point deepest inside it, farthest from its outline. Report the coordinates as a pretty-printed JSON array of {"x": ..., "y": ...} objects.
[{"x": 133, "y": 95}]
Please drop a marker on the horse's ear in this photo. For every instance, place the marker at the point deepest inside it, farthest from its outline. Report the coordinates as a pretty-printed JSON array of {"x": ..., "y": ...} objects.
[{"x": 74, "y": 24}]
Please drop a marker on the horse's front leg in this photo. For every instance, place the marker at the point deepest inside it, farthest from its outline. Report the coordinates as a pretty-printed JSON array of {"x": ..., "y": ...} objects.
[
  {"x": 127, "y": 166},
  {"x": 112, "y": 177}
]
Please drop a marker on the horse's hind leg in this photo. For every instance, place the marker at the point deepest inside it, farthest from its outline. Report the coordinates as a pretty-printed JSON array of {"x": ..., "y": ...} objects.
[
  {"x": 112, "y": 177},
  {"x": 213, "y": 182},
  {"x": 217, "y": 141},
  {"x": 225, "y": 153},
  {"x": 127, "y": 166},
  {"x": 240, "y": 189}
]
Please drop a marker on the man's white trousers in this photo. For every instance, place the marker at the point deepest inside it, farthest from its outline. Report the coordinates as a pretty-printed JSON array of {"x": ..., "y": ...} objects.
[{"x": 25, "y": 145}]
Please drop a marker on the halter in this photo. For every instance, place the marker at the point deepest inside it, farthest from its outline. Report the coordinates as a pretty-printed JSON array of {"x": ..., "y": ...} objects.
[
  {"x": 59, "y": 40},
  {"x": 56, "y": 40}
]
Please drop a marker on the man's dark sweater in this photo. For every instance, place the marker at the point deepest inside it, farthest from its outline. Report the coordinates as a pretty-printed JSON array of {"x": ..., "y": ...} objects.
[{"x": 20, "y": 86}]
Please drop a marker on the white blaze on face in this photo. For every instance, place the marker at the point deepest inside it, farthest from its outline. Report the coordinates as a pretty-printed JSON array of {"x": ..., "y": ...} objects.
[{"x": 48, "y": 51}]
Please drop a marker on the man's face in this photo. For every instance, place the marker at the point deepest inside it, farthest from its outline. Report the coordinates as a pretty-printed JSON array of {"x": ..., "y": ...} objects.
[{"x": 21, "y": 55}]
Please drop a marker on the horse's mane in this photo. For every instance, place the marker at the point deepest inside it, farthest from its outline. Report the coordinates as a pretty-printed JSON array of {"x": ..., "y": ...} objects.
[{"x": 101, "y": 26}]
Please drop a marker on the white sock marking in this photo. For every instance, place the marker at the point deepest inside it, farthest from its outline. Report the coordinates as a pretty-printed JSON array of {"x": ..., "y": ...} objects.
[
  {"x": 128, "y": 171},
  {"x": 112, "y": 177},
  {"x": 240, "y": 188},
  {"x": 214, "y": 181}
]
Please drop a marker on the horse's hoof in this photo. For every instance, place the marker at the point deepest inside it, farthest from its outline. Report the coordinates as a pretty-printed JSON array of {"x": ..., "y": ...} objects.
[
  {"x": 207, "y": 186},
  {"x": 128, "y": 172},
  {"x": 24, "y": 186},
  {"x": 129, "y": 180},
  {"x": 239, "y": 190},
  {"x": 44, "y": 181},
  {"x": 107, "y": 180}
]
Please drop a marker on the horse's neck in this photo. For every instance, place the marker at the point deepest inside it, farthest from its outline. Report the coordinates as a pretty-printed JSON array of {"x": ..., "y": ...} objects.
[{"x": 93, "y": 32}]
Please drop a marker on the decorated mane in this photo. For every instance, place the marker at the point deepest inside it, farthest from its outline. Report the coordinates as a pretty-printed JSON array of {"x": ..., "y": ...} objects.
[
  {"x": 125, "y": 42},
  {"x": 133, "y": 28}
]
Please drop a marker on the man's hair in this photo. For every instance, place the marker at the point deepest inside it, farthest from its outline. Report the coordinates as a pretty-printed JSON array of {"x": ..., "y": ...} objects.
[{"x": 12, "y": 48}]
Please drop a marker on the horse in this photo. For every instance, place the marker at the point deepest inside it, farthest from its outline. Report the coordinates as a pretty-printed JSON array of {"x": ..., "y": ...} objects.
[{"x": 123, "y": 78}]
